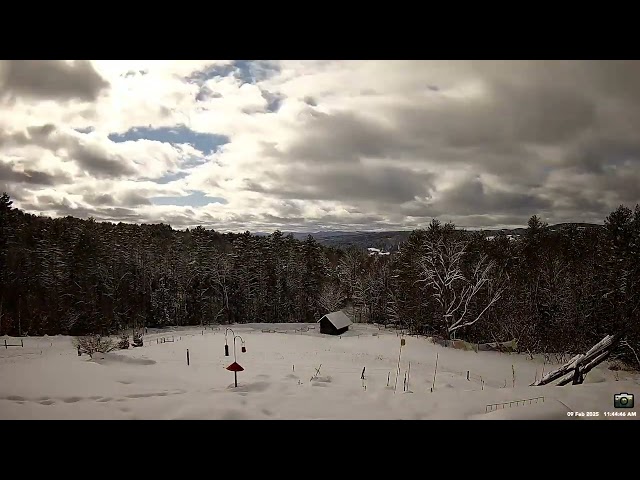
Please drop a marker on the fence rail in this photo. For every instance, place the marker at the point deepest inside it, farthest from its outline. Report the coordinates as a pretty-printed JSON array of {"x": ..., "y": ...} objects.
[
  {"x": 7, "y": 345},
  {"x": 492, "y": 407}
]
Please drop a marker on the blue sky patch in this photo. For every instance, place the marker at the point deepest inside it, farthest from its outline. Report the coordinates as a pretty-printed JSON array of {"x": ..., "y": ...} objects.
[
  {"x": 247, "y": 71},
  {"x": 196, "y": 199},
  {"x": 207, "y": 143},
  {"x": 170, "y": 177}
]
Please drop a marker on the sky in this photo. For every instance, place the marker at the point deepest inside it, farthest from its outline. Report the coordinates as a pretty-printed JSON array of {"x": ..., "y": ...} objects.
[{"x": 259, "y": 145}]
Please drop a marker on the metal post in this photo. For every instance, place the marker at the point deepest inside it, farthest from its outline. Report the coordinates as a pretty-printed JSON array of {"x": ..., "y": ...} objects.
[
  {"x": 235, "y": 377},
  {"x": 234, "y": 345}
]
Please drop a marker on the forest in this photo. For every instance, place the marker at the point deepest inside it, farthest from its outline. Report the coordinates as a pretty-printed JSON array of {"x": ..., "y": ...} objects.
[{"x": 551, "y": 290}]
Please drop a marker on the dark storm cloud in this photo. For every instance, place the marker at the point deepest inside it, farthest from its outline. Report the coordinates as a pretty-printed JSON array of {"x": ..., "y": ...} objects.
[
  {"x": 444, "y": 130},
  {"x": 571, "y": 196},
  {"x": 507, "y": 114},
  {"x": 602, "y": 155},
  {"x": 473, "y": 196},
  {"x": 348, "y": 183},
  {"x": 51, "y": 79},
  {"x": 339, "y": 137},
  {"x": 531, "y": 120},
  {"x": 616, "y": 78}
]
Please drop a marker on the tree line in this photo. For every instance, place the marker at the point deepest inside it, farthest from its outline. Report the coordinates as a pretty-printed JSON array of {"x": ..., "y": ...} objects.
[{"x": 553, "y": 290}]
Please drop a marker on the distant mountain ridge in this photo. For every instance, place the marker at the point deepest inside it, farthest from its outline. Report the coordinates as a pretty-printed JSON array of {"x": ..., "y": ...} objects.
[{"x": 389, "y": 240}]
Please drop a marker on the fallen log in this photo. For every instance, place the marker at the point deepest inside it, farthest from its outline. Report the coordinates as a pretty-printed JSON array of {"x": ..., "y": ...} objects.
[
  {"x": 580, "y": 365},
  {"x": 559, "y": 372}
]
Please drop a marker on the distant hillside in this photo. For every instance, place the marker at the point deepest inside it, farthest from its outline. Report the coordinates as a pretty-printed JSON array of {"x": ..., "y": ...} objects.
[{"x": 389, "y": 240}]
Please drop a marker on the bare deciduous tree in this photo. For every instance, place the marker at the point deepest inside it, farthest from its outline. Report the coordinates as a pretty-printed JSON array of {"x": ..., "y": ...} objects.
[
  {"x": 330, "y": 297},
  {"x": 453, "y": 291}
]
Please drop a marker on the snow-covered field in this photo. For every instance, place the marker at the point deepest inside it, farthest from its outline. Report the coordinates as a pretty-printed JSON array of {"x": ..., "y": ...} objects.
[{"x": 47, "y": 380}]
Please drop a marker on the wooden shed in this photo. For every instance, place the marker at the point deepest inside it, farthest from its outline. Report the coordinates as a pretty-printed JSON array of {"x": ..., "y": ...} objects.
[{"x": 335, "y": 323}]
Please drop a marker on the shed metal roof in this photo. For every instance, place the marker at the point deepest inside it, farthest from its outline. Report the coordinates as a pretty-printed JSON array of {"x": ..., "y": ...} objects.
[{"x": 338, "y": 319}]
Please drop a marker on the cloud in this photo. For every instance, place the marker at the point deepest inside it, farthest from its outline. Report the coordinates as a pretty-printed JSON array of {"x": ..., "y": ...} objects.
[
  {"x": 10, "y": 173},
  {"x": 348, "y": 183},
  {"x": 258, "y": 145},
  {"x": 51, "y": 79}
]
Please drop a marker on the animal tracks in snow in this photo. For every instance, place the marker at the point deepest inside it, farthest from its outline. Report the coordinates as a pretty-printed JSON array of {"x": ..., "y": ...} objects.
[{"x": 46, "y": 401}]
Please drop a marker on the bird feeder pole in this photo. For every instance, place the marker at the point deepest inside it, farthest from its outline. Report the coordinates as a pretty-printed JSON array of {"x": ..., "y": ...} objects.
[
  {"x": 226, "y": 344},
  {"x": 235, "y": 367},
  {"x": 244, "y": 349}
]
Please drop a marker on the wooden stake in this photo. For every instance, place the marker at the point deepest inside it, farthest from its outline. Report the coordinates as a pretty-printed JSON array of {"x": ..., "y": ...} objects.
[
  {"x": 398, "y": 369},
  {"x": 434, "y": 374}
]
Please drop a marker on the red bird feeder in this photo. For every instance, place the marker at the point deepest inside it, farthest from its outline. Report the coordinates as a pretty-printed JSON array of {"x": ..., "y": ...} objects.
[{"x": 235, "y": 368}]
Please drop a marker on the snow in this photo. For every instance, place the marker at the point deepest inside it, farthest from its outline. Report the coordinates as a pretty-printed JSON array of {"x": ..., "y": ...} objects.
[{"x": 48, "y": 380}]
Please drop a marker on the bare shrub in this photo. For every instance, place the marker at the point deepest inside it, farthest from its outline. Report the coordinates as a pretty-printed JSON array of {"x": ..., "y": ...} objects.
[
  {"x": 123, "y": 343},
  {"x": 94, "y": 343}
]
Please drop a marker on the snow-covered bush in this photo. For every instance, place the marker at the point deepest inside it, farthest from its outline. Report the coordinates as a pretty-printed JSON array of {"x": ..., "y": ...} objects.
[{"x": 94, "y": 343}]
